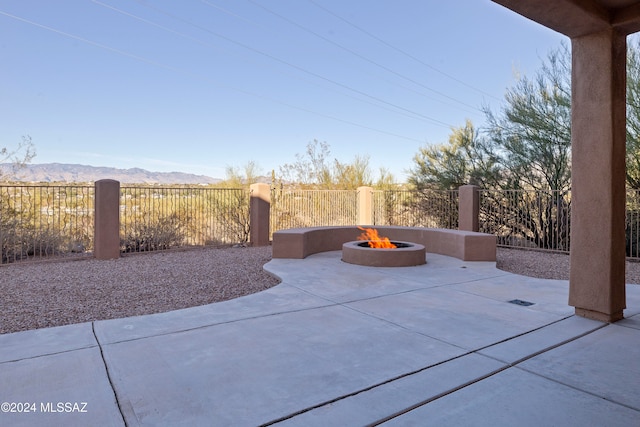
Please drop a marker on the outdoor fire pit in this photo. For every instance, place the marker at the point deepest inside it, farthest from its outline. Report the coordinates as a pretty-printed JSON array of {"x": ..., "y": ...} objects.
[{"x": 374, "y": 251}]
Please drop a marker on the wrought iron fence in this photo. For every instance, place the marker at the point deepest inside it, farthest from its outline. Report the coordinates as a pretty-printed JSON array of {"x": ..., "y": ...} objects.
[
  {"x": 40, "y": 221},
  {"x": 429, "y": 208},
  {"x": 310, "y": 208},
  {"x": 527, "y": 219},
  {"x": 633, "y": 224},
  {"x": 156, "y": 218}
]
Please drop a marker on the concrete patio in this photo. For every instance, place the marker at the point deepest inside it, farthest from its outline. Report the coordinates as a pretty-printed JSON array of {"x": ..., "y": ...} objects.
[{"x": 340, "y": 344}]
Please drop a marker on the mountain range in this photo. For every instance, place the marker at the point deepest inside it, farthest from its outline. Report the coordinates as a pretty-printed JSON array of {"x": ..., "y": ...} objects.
[{"x": 60, "y": 172}]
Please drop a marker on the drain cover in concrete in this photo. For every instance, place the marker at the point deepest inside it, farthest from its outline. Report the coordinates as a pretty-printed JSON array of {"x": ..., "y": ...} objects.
[{"x": 521, "y": 302}]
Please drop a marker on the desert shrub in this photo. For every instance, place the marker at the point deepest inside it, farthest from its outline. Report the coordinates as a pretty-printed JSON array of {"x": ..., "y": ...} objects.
[
  {"x": 10, "y": 239},
  {"x": 232, "y": 216},
  {"x": 164, "y": 233},
  {"x": 412, "y": 208},
  {"x": 633, "y": 233},
  {"x": 20, "y": 241}
]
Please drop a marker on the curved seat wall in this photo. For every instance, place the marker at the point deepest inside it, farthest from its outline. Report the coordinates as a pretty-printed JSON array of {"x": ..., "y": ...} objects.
[{"x": 299, "y": 243}]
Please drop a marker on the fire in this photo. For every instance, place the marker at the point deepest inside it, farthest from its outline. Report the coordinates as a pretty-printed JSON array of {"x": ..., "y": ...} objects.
[{"x": 375, "y": 241}]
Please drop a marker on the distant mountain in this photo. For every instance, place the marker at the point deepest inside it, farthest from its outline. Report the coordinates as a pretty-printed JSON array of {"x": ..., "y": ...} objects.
[{"x": 59, "y": 172}]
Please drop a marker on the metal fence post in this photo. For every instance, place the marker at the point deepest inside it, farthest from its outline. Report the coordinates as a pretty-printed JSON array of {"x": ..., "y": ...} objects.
[
  {"x": 365, "y": 206},
  {"x": 469, "y": 208},
  {"x": 106, "y": 238},
  {"x": 259, "y": 211}
]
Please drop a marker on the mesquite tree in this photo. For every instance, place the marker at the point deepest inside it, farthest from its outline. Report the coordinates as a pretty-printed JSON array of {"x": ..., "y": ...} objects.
[{"x": 526, "y": 146}]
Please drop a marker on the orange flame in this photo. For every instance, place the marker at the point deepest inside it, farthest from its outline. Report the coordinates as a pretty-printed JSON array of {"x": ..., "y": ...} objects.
[{"x": 375, "y": 241}]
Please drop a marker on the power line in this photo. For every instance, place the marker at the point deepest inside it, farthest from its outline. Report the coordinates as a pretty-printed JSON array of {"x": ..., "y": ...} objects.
[
  {"x": 82, "y": 39},
  {"x": 146, "y": 21},
  {"x": 297, "y": 67},
  {"x": 289, "y": 64},
  {"x": 364, "y": 58},
  {"x": 176, "y": 70},
  {"x": 397, "y": 49},
  {"x": 235, "y": 15},
  {"x": 258, "y": 25}
]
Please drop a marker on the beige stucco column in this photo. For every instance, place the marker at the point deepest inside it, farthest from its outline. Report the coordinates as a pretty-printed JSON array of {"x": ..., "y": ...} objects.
[
  {"x": 365, "y": 204},
  {"x": 259, "y": 214},
  {"x": 597, "y": 280},
  {"x": 106, "y": 240},
  {"x": 469, "y": 208}
]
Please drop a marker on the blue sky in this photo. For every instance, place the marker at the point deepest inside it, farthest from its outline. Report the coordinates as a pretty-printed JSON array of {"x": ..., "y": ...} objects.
[{"x": 199, "y": 85}]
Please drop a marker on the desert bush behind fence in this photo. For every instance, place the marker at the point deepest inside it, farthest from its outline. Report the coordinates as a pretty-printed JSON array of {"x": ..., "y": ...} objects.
[
  {"x": 293, "y": 208},
  {"x": 424, "y": 208},
  {"x": 39, "y": 221},
  {"x": 156, "y": 218}
]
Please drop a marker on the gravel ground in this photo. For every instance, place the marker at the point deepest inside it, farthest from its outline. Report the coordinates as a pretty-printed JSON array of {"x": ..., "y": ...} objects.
[
  {"x": 43, "y": 294},
  {"x": 53, "y": 293},
  {"x": 548, "y": 265}
]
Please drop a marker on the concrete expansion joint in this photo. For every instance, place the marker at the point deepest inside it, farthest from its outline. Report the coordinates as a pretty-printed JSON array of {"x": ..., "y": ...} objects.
[
  {"x": 581, "y": 390},
  {"x": 389, "y": 322},
  {"x": 308, "y": 292},
  {"x": 524, "y": 333},
  {"x": 560, "y": 344},
  {"x": 438, "y": 396},
  {"x": 106, "y": 369},
  {"x": 479, "y": 279},
  {"x": 47, "y": 354},
  {"x": 347, "y": 305},
  {"x": 212, "y": 325},
  {"x": 623, "y": 325},
  {"x": 380, "y": 384},
  {"x": 506, "y": 366},
  {"x": 544, "y": 350}
]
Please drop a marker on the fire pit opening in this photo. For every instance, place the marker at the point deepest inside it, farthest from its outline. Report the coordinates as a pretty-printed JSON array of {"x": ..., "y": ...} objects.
[
  {"x": 367, "y": 244},
  {"x": 374, "y": 251}
]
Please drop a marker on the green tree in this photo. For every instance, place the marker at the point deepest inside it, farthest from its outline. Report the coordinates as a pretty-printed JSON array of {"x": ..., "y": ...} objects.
[
  {"x": 532, "y": 133},
  {"x": 349, "y": 176},
  {"x": 633, "y": 147},
  {"x": 529, "y": 138},
  {"x": 468, "y": 158},
  {"x": 633, "y": 116},
  {"x": 525, "y": 146}
]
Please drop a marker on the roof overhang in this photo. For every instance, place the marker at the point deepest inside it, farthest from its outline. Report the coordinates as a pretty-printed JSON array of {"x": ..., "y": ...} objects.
[{"x": 575, "y": 18}]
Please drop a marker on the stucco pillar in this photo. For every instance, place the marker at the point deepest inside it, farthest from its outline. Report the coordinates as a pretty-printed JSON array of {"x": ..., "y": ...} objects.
[
  {"x": 597, "y": 279},
  {"x": 106, "y": 239},
  {"x": 259, "y": 214},
  {"x": 468, "y": 208},
  {"x": 365, "y": 206}
]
